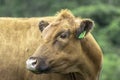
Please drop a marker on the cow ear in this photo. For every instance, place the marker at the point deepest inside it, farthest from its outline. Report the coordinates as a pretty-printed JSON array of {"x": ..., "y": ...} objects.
[
  {"x": 85, "y": 26},
  {"x": 43, "y": 25}
]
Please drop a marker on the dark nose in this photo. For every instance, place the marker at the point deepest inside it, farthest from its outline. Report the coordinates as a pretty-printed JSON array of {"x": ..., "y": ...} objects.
[{"x": 38, "y": 64}]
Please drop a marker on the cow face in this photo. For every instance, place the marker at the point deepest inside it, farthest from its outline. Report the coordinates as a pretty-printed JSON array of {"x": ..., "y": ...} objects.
[{"x": 60, "y": 50}]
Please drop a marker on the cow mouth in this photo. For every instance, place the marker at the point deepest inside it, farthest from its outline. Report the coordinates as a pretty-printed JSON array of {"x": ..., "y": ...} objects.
[{"x": 40, "y": 70}]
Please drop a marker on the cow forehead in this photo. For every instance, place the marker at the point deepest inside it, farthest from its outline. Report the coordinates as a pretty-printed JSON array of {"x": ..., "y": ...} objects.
[
  {"x": 54, "y": 28},
  {"x": 48, "y": 32}
]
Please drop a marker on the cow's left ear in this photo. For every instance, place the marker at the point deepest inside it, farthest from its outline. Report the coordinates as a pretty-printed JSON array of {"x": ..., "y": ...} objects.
[
  {"x": 43, "y": 25},
  {"x": 85, "y": 26}
]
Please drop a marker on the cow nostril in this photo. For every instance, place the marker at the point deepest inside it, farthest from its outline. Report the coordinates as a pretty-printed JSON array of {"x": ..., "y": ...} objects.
[
  {"x": 34, "y": 63},
  {"x": 31, "y": 63}
]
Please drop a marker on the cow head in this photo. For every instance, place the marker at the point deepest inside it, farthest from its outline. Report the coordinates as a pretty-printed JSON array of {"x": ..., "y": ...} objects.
[{"x": 60, "y": 50}]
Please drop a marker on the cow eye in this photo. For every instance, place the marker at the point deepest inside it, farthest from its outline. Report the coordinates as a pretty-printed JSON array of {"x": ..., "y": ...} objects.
[{"x": 63, "y": 35}]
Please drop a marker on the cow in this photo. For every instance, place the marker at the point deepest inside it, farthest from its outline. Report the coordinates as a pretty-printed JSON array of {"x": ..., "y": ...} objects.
[{"x": 67, "y": 49}]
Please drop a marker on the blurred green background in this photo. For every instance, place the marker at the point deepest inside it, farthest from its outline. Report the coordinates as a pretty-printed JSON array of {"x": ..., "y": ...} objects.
[{"x": 105, "y": 13}]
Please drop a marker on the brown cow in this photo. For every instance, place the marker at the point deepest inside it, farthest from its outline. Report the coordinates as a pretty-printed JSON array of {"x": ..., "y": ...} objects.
[
  {"x": 68, "y": 48},
  {"x": 19, "y": 37}
]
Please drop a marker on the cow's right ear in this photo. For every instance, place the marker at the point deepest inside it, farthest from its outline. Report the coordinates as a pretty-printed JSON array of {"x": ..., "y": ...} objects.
[
  {"x": 85, "y": 26},
  {"x": 43, "y": 25}
]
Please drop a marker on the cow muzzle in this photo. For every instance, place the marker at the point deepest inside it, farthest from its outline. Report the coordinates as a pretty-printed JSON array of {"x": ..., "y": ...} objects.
[{"x": 37, "y": 65}]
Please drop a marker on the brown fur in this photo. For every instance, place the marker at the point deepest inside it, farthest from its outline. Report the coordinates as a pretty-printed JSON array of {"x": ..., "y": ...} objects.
[{"x": 19, "y": 37}]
